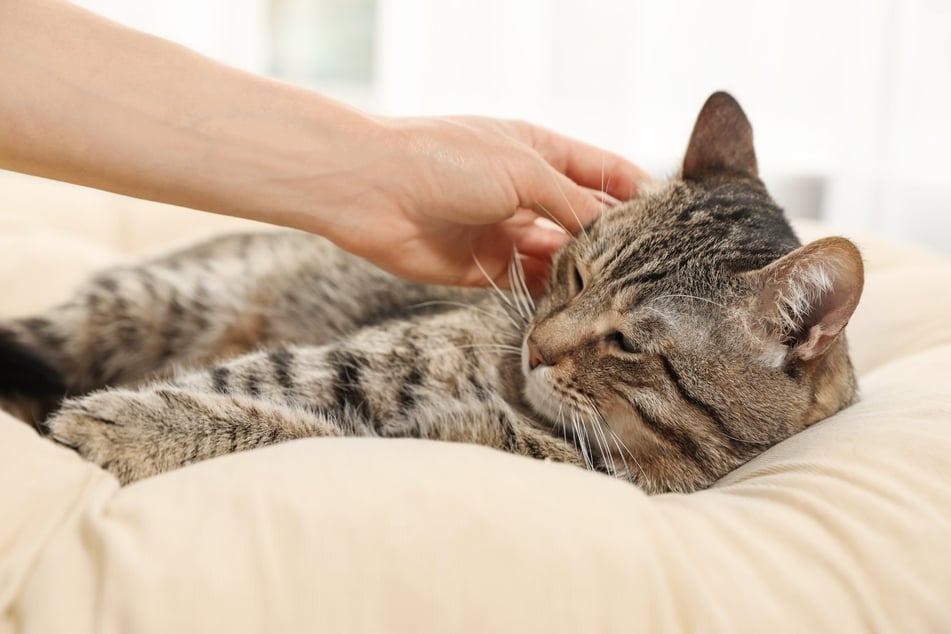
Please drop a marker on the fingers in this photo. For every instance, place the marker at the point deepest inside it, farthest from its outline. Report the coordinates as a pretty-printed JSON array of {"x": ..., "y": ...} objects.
[
  {"x": 606, "y": 199},
  {"x": 535, "y": 270},
  {"x": 587, "y": 165},
  {"x": 533, "y": 238},
  {"x": 524, "y": 234},
  {"x": 536, "y": 274},
  {"x": 535, "y": 243},
  {"x": 575, "y": 181},
  {"x": 555, "y": 196}
]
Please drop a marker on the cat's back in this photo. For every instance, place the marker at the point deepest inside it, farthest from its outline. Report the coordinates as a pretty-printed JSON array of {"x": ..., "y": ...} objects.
[{"x": 297, "y": 287}]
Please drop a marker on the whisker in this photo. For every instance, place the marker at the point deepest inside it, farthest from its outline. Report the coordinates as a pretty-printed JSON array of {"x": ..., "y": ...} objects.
[
  {"x": 607, "y": 458},
  {"x": 492, "y": 282},
  {"x": 513, "y": 313},
  {"x": 616, "y": 439},
  {"x": 627, "y": 468},
  {"x": 551, "y": 216},
  {"x": 523, "y": 281},
  {"x": 598, "y": 438},
  {"x": 620, "y": 444},
  {"x": 603, "y": 189},
  {"x": 495, "y": 346},
  {"x": 684, "y": 296},
  {"x": 572, "y": 210},
  {"x": 574, "y": 435},
  {"x": 561, "y": 423},
  {"x": 516, "y": 294},
  {"x": 580, "y": 439},
  {"x": 655, "y": 311},
  {"x": 564, "y": 432},
  {"x": 506, "y": 304},
  {"x": 518, "y": 304},
  {"x": 605, "y": 453},
  {"x": 487, "y": 313},
  {"x": 519, "y": 284},
  {"x": 585, "y": 441}
]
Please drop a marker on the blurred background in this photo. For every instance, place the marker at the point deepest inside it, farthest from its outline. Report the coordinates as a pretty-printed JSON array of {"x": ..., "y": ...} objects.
[{"x": 850, "y": 100}]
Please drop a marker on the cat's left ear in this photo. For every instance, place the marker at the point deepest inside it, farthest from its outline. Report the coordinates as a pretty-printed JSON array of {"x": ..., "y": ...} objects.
[
  {"x": 809, "y": 295},
  {"x": 721, "y": 142}
]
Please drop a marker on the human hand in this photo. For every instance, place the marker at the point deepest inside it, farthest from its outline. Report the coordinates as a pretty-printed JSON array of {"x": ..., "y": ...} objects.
[
  {"x": 426, "y": 198},
  {"x": 452, "y": 197}
]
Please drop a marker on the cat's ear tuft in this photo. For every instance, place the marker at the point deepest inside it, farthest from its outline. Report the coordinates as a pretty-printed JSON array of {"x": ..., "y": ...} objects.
[
  {"x": 721, "y": 143},
  {"x": 809, "y": 295}
]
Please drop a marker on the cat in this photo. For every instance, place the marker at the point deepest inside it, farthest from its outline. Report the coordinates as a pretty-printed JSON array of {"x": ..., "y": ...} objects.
[{"x": 680, "y": 334}]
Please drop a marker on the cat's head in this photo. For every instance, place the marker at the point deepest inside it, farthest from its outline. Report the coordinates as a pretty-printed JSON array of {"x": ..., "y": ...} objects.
[{"x": 687, "y": 330}]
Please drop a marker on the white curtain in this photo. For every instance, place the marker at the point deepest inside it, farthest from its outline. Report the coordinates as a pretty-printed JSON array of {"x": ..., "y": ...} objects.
[{"x": 851, "y": 100}]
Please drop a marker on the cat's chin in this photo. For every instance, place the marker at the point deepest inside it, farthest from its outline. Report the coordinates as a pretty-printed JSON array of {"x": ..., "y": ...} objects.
[
  {"x": 544, "y": 399},
  {"x": 540, "y": 394}
]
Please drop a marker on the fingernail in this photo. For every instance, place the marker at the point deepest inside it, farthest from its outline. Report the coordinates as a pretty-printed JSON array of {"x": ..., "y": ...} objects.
[
  {"x": 607, "y": 199},
  {"x": 548, "y": 225}
]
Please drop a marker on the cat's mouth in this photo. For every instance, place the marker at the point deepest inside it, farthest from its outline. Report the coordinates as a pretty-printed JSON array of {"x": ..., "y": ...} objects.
[
  {"x": 552, "y": 400},
  {"x": 542, "y": 396}
]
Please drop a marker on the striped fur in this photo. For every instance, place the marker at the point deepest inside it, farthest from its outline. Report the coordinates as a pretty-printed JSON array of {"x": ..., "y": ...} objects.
[{"x": 681, "y": 334}]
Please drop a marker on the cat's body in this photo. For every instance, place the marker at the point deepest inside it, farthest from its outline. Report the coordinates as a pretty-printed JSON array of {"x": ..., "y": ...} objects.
[{"x": 682, "y": 333}]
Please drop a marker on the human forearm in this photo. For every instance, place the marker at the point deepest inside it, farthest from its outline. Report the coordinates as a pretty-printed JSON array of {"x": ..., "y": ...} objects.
[
  {"x": 91, "y": 102},
  {"x": 163, "y": 122}
]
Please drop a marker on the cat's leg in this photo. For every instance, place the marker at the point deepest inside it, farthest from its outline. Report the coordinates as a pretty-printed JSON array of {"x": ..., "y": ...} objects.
[
  {"x": 251, "y": 401},
  {"x": 417, "y": 379},
  {"x": 136, "y": 434},
  {"x": 354, "y": 388}
]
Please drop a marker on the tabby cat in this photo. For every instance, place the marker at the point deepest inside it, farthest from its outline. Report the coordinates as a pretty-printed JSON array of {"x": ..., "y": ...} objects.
[{"x": 681, "y": 334}]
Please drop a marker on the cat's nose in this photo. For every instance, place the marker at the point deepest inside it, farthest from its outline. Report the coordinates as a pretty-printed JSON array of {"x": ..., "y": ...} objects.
[{"x": 536, "y": 355}]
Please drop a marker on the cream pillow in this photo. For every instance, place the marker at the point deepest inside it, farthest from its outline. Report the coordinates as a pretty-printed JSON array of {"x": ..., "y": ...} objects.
[{"x": 841, "y": 528}]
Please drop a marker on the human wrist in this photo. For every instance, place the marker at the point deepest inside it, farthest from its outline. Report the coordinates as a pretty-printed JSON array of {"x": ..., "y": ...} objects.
[
  {"x": 374, "y": 177},
  {"x": 299, "y": 161}
]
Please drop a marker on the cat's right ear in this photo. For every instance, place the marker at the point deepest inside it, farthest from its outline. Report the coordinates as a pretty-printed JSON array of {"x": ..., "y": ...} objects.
[
  {"x": 808, "y": 296},
  {"x": 721, "y": 143}
]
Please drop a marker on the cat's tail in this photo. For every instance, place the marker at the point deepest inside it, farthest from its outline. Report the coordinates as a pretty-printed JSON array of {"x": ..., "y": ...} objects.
[{"x": 31, "y": 383}]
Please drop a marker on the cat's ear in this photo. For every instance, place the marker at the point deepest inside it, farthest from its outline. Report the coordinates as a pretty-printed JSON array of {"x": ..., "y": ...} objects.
[
  {"x": 809, "y": 295},
  {"x": 721, "y": 143}
]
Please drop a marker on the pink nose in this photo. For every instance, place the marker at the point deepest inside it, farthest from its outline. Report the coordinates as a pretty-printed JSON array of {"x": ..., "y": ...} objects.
[{"x": 536, "y": 355}]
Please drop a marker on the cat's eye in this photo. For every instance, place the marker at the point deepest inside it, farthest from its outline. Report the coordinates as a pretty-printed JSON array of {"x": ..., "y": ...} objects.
[
  {"x": 622, "y": 342},
  {"x": 577, "y": 280}
]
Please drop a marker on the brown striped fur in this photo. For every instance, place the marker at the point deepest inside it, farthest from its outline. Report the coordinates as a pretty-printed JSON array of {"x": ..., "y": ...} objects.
[{"x": 681, "y": 334}]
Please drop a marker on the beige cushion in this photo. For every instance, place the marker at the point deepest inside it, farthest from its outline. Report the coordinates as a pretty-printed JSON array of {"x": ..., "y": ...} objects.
[{"x": 842, "y": 528}]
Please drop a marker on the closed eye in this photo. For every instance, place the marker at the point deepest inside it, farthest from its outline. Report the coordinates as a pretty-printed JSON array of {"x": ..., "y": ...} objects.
[
  {"x": 622, "y": 342},
  {"x": 576, "y": 279}
]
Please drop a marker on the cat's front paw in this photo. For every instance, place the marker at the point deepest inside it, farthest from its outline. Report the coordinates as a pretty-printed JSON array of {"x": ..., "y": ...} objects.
[{"x": 115, "y": 429}]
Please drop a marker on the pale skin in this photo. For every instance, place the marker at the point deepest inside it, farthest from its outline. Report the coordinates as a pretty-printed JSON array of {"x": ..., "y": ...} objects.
[{"x": 88, "y": 101}]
